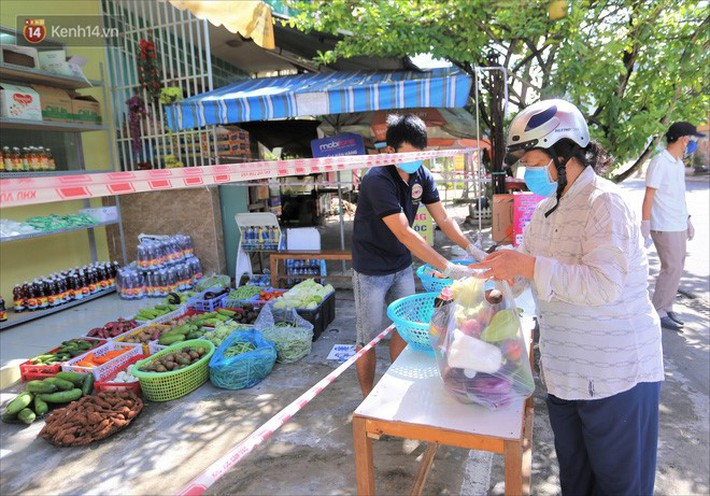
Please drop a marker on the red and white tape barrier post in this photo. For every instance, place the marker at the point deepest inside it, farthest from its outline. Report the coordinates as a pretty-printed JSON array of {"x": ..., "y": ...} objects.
[
  {"x": 15, "y": 192},
  {"x": 214, "y": 472}
]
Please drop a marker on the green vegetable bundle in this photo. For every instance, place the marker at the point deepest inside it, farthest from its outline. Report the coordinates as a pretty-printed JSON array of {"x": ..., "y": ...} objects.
[
  {"x": 245, "y": 292},
  {"x": 254, "y": 361},
  {"x": 291, "y": 333},
  {"x": 213, "y": 281}
]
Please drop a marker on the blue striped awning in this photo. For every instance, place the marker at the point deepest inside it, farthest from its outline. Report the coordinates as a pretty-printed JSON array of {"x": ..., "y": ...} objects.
[{"x": 320, "y": 94}]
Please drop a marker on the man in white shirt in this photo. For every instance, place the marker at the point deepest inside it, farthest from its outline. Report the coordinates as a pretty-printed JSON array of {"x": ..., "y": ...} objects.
[{"x": 664, "y": 217}]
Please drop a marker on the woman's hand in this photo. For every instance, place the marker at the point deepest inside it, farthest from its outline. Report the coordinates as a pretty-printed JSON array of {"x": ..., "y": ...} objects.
[{"x": 506, "y": 265}]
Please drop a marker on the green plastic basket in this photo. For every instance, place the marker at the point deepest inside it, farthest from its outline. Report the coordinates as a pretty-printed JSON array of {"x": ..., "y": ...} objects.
[{"x": 166, "y": 386}]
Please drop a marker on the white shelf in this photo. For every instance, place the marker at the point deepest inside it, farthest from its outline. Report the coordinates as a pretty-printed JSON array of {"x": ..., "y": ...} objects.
[
  {"x": 41, "y": 234},
  {"x": 29, "y": 75},
  {"x": 66, "y": 127},
  {"x": 14, "y": 319}
]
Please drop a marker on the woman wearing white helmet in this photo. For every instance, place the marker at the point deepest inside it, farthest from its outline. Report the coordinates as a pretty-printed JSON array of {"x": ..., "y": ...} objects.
[{"x": 582, "y": 253}]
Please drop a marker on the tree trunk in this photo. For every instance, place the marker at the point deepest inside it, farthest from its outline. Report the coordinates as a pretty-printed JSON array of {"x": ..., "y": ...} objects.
[
  {"x": 497, "y": 126},
  {"x": 637, "y": 165}
]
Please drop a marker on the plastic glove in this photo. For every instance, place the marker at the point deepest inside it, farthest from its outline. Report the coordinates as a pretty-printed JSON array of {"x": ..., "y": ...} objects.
[
  {"x": 476, "y": 252},
  {"x": 646, "y": 233},
  {"x": 456, "y": 271},
  {"x": 691, "y": 230}
]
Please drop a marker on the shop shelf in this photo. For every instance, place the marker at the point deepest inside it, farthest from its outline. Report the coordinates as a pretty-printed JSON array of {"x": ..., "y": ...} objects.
[
  {"x": 28, "y": 75},
  {"x": 68, "y": 127},
  {"x": 40, "y": 234},
  {"x": 22, "y": 175},
  {"x": 14, "y": 319}
]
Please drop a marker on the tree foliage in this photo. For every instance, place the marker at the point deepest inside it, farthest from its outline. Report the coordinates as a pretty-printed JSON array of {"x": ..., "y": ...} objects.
[{"x": 632, "y": 66}]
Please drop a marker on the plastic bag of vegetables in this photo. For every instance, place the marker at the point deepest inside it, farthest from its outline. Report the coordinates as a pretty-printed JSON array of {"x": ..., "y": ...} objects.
[
  {"x": 291, "y": 334},
  {"x": 242, "y": 360},
  {"x": 479, "y": 346}
]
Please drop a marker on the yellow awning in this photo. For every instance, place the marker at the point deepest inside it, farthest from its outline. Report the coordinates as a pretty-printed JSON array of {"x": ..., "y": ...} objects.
[{"x": 251, "y": 19}]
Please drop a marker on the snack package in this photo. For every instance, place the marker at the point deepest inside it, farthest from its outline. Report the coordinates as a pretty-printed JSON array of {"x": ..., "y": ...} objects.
[{"x": 478, "y": 342}]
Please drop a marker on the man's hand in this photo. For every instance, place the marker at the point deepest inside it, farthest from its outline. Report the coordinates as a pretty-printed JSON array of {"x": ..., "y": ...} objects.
[
  {"x": 691, "y": 230},
  {"x": 476, "y": 252},
  {"x": 646, "y": 232},
  {"x": 457, "y": 271}
]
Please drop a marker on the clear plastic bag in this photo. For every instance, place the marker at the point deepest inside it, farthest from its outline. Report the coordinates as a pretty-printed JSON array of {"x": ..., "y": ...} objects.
[
  {"x": 479, "y": 346},
  {"x": 289, "y": 332}
]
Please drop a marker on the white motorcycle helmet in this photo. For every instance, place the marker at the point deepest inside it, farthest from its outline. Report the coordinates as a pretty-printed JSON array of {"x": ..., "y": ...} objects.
[{"x": 543, "y": 124}]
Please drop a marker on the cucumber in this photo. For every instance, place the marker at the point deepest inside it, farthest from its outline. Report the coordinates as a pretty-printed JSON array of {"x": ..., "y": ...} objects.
[
  {"x": 9, "y": 418},
  {"x": 41, "y": 407},
  {"x": 60, "y": 383},
  {"x": 166, "y": 340},
  {"x": 74, "y": 377},
  {"x": 226, "y": 313},
  {"x": 62, "y": 396},
  {"x": 40, "y": 387},
  {"x": 27, "y": 416},
  {"x": 21, "y": 402},
  {"x": 88, "y": 386}
]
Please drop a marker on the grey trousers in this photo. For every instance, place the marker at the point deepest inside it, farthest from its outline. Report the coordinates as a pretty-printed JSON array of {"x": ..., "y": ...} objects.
[{"x": 671, "y": 251}]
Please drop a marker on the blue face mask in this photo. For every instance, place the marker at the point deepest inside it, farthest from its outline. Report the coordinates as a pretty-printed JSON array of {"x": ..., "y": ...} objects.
[
  {"x": 692, "y": 146},
  {"x": 538, "y": 180},
  {"x": 410, "y": 167}
]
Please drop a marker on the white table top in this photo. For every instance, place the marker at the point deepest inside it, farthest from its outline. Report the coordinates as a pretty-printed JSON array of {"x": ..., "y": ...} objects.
[{"x": 412, "y": 391}]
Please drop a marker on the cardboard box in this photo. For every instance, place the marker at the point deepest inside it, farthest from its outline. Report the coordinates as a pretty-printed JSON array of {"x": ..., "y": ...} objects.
[
  {"x": 524, "y": 204},
  {"x": 17, "y": 55},
  {"x": 19, "y": 102},
  {"x": 54, "y": 61},
  {"x": 85, "y": 109},
  {"x": 55, "y": 102},
  {"x": 57, "y": 62},
  {"x": 502, "y": 219}
]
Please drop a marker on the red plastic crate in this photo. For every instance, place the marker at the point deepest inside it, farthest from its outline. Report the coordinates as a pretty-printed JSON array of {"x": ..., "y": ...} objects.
[
  {"x": 30, "y": 372},
  {"x": 108, "y": 385}
]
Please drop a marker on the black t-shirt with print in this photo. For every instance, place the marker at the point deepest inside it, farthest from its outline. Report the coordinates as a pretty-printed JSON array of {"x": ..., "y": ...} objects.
[{"x": 376, "y": 250}]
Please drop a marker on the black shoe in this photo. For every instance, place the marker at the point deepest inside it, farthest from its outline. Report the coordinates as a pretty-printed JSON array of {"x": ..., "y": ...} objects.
[
  {"x": 674, "y": 317},
  {"x": 670, "y": 324}
]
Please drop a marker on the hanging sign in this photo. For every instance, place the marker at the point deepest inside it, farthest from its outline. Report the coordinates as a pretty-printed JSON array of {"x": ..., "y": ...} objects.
[
  {"x": 424, "y": 225},
  {"x": 338, "y": 146}
]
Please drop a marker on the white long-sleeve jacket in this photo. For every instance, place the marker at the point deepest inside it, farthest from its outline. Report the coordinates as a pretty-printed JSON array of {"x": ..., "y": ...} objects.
[{"x": 599, "y": 333}]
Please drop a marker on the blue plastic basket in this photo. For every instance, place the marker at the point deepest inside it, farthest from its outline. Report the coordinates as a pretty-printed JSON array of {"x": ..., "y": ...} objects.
[
  {"x": 432, "y": 283},
  {"x": 411, "y": 315},
  {"x": 201, "y": 305}
]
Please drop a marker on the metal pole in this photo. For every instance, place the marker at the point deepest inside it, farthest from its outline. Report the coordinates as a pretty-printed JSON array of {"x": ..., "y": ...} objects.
[{"x": 478, "y": 156}]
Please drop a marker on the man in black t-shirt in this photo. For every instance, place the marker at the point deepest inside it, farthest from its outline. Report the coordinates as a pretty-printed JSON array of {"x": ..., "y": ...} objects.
[{"x": 384, "y": 241}]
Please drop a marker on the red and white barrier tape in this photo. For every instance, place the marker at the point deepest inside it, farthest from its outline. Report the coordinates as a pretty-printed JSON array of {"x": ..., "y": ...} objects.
[
  {"x": 214, "y": 472},
  {"x": 20, "y": 191}
]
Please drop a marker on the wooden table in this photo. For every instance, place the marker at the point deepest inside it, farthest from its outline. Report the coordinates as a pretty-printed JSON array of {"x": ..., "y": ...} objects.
[
  {"x": 410, "y": 402},
  {"x": 276, "y": 259}
]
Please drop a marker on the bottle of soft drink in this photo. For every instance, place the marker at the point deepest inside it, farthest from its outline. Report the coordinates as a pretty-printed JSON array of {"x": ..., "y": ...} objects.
[
  {"x": 3, "y": 310},
  {"x": 33, "y": 299},
  {"x": 53, "y": 293},
  {"x": 18, "y": 299},
  {"x": 63, "y": 289},
  {"x": 51, "y": 164}
]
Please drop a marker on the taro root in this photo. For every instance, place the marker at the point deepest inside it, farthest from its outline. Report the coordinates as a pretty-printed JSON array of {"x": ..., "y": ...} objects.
[{"x": 494, "y": 296}]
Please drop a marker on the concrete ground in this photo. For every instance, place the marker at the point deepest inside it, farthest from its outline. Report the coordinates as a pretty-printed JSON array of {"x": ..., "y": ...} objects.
[{"x": 170, "y": 443}]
